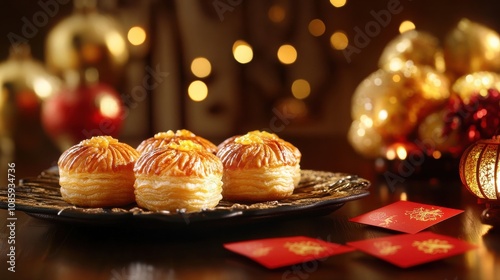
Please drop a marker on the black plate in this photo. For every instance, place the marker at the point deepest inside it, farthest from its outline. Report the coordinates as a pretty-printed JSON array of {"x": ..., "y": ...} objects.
[{"x": 318, "y": 193}]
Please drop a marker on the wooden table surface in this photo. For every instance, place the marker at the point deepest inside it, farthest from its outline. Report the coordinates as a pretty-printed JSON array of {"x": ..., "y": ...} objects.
[{"x": 50, "y": 250}]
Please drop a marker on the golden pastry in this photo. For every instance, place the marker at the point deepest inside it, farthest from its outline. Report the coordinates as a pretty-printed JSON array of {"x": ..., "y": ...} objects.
[
  {"x": 259, "y": 166},
  {"x": 98, "y": 172},
  {"x": 178, "y": 176},
  {"x": 164, "y": 138}
]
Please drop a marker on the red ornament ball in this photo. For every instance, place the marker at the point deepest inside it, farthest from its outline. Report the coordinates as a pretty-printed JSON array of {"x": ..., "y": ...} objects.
[
  {"x": 74, "y": 114},
  {"x": 479, "y": 118}
]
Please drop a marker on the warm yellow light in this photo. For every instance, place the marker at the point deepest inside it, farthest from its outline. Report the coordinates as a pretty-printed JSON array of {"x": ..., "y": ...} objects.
[
  {"x": 401, "y": 152},
  {"x": 436, "y": 154},
  {"x": 390, "y": 154},
  {"x": 316, "y": 27},
  {"x": 406, "y": 26},
  {"x": 242, "y": 52},
  {"x": 338, "y": 3},
  {"x": 198, "y": 91},
  {"x": 403, "y": 196},
  {"x": 116, "y": 45},
  {"x": 201, "y": 67},
  {"x": 287, "y": 54},
  {"x": 109, "y": 106},
  {"x": 136, "y": 35},
  {"x": 276, "y": 13},
  {"x": 367, "y": 121},
  {"x": 361, "y": 132},
  {"x": 396, "y": 78},
  {"x": 339, "y": 40},
  {"x": 493, "y": 46},
  {"x": 301, "y": 89},
  {"x": 42, "y": 87},
  {"x": 493, "y": 41},
  {"x": 382, "y": 115}
]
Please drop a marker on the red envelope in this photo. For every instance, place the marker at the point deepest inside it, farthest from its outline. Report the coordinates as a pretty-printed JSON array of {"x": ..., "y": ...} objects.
[
  {"x": 284, "y": 251},
  {"x": 406, "y": 216},
  {"x": 406, "y": 250}
]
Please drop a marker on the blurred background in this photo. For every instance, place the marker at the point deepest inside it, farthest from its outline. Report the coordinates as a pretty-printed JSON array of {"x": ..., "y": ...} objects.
[{"x": 215, "y": 67}]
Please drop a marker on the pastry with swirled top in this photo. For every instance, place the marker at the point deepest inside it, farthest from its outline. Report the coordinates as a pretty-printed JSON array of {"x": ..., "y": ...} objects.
[
  {"x": 178, "y": 176},
  {"x": 259, "y": 166},
  {"x": 98, "y": 172},
  {"x": 164, "y": 138}
]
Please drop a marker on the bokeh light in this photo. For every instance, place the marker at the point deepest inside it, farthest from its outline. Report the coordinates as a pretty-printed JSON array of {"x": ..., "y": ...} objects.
[
  {"x": 276, "y": 13},
  {"x": 287, "y": 54},
  {"x": 198, "y": 91},
  {"x": 201, "y": 67},
  {"x": 406, "y": 26},
  {"x": 242, "y": 52},
  {"x": 339, "y": 40},
  {"x": 338, "y": 3},
  {"x": 109, "y": 106},
  {"x": 316, "y": 27},
  {"x": 301, "y": 89},
  {"x": 136, "y": 35}
]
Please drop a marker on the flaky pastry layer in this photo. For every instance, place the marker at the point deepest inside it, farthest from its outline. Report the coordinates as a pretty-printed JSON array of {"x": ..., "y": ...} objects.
[
  {"x": 260, "y": 184},
  {"x": 97, "y": 189},
  {"x": 173, "y": 193}
]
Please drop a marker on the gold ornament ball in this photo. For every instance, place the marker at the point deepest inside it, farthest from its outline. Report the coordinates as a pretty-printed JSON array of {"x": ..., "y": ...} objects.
[
  {"x": 478, "y": 82},
  {"x": 419, "y": 47},
  {"x": 88, "y": 39},
  {"x": 25, "y": 84},
  {"x": 471, "y": 47},
  {"x": 364, "y": 139},
  {"x": 396, "y": 101}
]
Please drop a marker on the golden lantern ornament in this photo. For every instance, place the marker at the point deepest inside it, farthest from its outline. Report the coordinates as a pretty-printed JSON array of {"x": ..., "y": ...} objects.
[{"x": 480, "y": 173}]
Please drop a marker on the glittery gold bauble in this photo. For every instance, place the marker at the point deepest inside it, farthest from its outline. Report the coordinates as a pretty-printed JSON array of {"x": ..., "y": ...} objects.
[
  {"x": 396, "y": 101},
  {"x": 478, "y": 82},
  {"x": 430, "y": 134},
  {"x": 364, "y": 139},
  {"x": 419, "y": 47},
  {"x": 24, "y": 85},
  {"x": 471, "y": 47},
  {"x": 87, "y": 39}
]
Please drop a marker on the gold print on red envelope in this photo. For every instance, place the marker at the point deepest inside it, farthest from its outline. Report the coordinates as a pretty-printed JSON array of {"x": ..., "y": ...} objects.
[
  {"x": 407, "y": 250},
  {"x": 261, "y": 251},
  {"x": 433, "y": 246},
  {"x": 283, "y": 251},
  {"x": 304, "y": 248},
  {"x": 425, "y": 214},
  {"x": 406, "y": 216},
  {"x": 386, "y": 248},
  {"x": 383, "y": 219}
]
